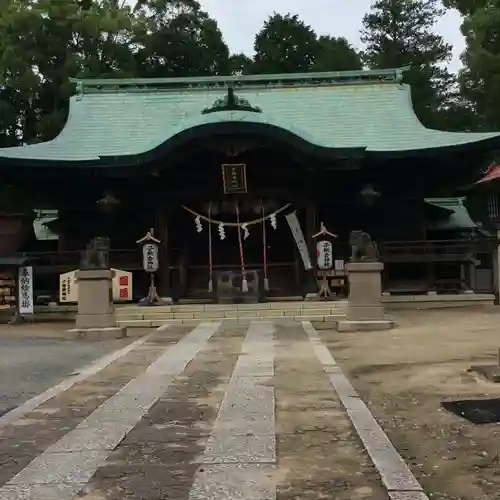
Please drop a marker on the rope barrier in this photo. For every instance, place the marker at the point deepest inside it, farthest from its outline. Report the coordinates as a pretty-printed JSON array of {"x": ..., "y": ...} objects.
[
  {"x": 235, "y": 224},
  {"x": 244, "y": 283}
]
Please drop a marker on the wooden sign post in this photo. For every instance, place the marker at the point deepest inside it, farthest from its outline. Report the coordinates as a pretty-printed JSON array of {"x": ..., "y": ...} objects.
[
  {"x": 150, "y": 263},
  {"x": 324, "y": 249}
]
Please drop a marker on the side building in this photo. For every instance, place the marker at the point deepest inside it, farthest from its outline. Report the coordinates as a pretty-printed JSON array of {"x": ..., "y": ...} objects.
[{"x": 213, "y": 164}]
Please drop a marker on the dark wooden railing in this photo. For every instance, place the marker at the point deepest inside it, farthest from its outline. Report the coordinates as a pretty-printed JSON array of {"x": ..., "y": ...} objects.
[
  {"x": 60, "y": 262},
  {"x": 390, "y": 252},
  {"x": 434, "y": 250}
]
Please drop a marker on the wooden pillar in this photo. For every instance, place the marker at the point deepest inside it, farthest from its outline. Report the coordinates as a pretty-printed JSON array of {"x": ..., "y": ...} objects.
[
  {"x": 496, "y": 269},
  {"x": 164, "y": 254},
  {"x": 311, "y": 282},
  {"x": 62, "y": 234},
  {"x": 62, "y": 240},
  {"x": 183, "y": 264}
]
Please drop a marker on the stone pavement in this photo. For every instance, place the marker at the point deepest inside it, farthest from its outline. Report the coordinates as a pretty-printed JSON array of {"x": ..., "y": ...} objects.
[
  {"x": 220, "y": 411},
  {"x": 30, "y": 364}
]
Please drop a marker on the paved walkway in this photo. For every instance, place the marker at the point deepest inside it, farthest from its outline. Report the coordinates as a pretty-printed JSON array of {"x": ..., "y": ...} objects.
[{"x": 220, "y": 412}]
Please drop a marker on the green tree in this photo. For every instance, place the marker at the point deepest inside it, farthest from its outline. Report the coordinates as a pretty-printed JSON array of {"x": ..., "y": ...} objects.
[
  {"x": 336, "y": 54},
  {"x": 180, "y": 40},
  {"x": 399, "y": 33},
  {"x": 86, "y": 38},
  {"x": 19, "y": 79},
  {"x": 480, "y": 77},
  {"x": 240, "y": 64},
  {"x": 465, "y": 7},
  {"x": 45, "y": 42},
  {"x": 286, "y": 44}
]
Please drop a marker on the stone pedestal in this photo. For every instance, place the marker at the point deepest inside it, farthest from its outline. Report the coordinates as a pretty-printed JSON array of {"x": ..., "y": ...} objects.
[
  {"x": 95, "y": 318},
  {"x": 364, "y": 308}
]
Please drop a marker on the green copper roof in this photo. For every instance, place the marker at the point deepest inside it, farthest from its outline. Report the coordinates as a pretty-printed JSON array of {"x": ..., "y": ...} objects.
[
  {"x": 458, "y": 216},
  {"x": 367, "y": 110}
]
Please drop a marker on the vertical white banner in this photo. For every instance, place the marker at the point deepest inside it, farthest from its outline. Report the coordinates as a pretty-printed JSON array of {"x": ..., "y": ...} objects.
[
  {"x": 150, "y": 260},
  {"x": 25, "y": 290},
  {"x": 325, "y": 252},
  {"x": 298, "y": 235}
]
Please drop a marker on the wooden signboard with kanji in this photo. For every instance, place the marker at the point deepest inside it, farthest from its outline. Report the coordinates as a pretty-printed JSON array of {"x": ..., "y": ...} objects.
[
  {"x": 234, "y": 178},
  {"x": 121, "y": 283}
]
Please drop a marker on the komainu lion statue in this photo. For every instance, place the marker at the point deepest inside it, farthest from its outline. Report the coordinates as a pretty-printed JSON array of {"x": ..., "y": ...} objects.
[
  {"x": 363, "y": 248},
  {"x": 96, "y": 255}
]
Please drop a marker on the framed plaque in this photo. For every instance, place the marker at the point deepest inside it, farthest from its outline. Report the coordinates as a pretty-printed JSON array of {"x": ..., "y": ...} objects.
[{"x": 234, "y": 178}]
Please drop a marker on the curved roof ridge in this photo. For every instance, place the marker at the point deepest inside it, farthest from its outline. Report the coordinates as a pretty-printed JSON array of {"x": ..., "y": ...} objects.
[
  {"x": 98, "y": 84},
  {"x": 241, "y": 116},
  {"x": 378, "y": 118}
]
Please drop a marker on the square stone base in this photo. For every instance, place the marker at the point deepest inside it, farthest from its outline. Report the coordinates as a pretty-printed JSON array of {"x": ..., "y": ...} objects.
[
  {"x": 489, "y": 372},
  {"x": 92, "y": 321},
  {"x": 115, "y": 332},
  {"x": 312, "y": 297},
  {"x": 365, "y": 326},
  {"x": 365, "y": 312}
]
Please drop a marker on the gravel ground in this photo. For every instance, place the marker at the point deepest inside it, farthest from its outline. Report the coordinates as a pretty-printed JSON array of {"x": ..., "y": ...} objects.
[
  {"x": 405, "y": 374},
  {"x": 31, "y": 363}
]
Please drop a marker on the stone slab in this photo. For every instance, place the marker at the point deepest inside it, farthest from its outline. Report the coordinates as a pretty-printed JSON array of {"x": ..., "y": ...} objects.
[
  {"x": 136, "y": 323},
  {"x": 343, "y": 387},
  {"x": 244, "y": 430},
  {"x": 50, "y": 468},
  {"x": 116, "y": 332},
  {"x": 129, "y": 317},
  {"x": 395, "y": 474},
  {"x": 234, "y": 482},
  {"x": 183, "y": 315},
  {"x": 69, "y": 382},
  {"x": 247, "y": 426},
  {"x": 154, "y": 316},
  {"x": 104, "y": 437},
  {"x": 94, "y": 274},
  {"x": 490, "y": 372},
  {"x": 359, "y": 311},
  {"x": 365, "y": 326},
  {"x": 41, "y": 491},
  {"x": 125, "y": 409},
  {"x": 408, "y": 495},
  {"x": 100, "y": 320},
  {"x": 364, "y": 267},
  {"x": 222, "y": 448}
]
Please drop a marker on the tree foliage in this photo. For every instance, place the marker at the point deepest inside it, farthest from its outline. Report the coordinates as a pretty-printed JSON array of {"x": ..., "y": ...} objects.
[
  {"x": 400, "y": 33},
  {"x": 284, "y": 45},
  {"x": 179, "y": 40},
  {"x": 43, "y": 43},
  {"x": 336, "y": 54},
  {"x": 480, "y": 76},
  {"x": 465, "y": 7},
  {"x": 288, "y": 45}
]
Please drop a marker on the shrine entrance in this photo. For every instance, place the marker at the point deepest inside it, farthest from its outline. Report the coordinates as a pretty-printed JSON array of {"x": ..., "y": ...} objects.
[
  {"x": 236, "y": 250},
  {"x": 226, "y": 199}
]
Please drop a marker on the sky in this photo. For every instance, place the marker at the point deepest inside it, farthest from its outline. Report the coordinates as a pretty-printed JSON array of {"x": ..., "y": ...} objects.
[{"x": 240, "y": 20}]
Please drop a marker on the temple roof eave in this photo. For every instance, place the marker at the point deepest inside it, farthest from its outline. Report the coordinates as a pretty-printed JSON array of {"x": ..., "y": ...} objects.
[
  {"x": 301, "y": 141},
  {"x": 373, "y": 120}
]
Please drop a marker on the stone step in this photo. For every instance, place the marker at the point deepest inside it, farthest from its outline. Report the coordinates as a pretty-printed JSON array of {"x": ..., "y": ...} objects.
[
  {"x": 154, "y": 323},
  {"x": 268, "y": 306},
  {"x": 153, "y": 315}
]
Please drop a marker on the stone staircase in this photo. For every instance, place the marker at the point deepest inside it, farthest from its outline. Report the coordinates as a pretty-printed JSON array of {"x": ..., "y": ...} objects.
[{"x": 192, "y": 314}]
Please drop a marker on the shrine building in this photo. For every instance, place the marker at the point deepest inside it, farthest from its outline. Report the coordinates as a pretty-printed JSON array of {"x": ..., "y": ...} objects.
[{"x": 218, "y": 166}]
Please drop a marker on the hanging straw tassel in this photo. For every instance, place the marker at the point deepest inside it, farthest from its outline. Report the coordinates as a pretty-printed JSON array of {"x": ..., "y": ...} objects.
[
  {"x": 210, "y": 263},
  {"x": 244, "y": 282},
  {"x": 264, "y": 247}
]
